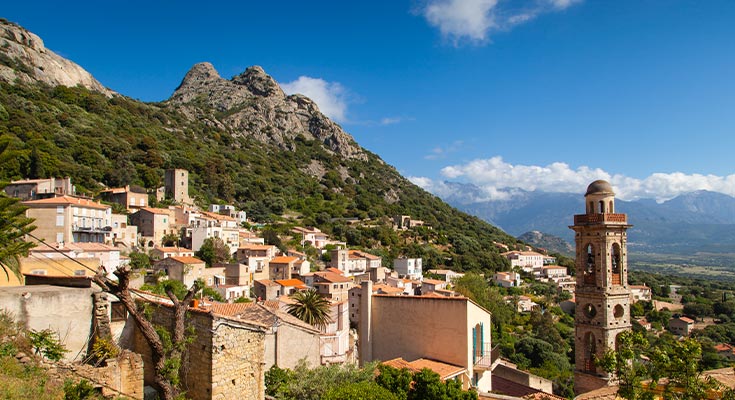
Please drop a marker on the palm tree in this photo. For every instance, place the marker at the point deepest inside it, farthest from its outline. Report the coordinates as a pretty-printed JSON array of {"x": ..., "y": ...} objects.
[
  {"x": 311, "y": 308},
  {"x": 14, "y": 225}
]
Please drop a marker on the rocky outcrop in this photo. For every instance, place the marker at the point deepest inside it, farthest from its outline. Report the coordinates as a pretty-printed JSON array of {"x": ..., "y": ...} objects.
[
  {"x": 253, "y": 104},
  {"x": 24, "y": 58}
]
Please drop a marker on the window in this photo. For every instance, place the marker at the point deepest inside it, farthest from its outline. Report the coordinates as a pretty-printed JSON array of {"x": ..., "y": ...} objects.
[
  {"x": 132, "y": 201},
  {"x": 59, "y": 237},
  {"x": 118, "y": 312},
  {"x": 60, "y": 220},
  {"x": 59, "y": 209}
]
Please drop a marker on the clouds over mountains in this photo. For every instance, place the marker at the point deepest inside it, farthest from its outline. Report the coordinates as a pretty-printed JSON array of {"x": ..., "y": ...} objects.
[{"x": 499, "y": 180}]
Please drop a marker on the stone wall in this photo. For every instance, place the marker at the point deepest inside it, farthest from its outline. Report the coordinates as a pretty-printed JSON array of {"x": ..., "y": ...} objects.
[
  {"x": 225, "y": 360},
  {"x": 121, "y": 376}
]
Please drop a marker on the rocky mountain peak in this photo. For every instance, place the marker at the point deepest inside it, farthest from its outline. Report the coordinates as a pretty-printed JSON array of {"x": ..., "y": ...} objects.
[
  {"x": 258, "y": 82},
  {"x": 24, "y": 58},
  {"x": 253, "y": 104}
]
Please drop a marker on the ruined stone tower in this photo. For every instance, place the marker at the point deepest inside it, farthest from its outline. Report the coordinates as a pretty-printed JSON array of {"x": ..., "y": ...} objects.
[{"x": 602, "y": 293}]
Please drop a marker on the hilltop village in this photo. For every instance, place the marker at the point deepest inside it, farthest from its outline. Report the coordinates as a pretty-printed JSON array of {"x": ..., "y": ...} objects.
[{"x": 243, "y": 322}]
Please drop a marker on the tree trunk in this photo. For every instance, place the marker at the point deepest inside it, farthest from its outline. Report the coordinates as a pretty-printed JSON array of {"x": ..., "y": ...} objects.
[{"x": 166, "y": 389}]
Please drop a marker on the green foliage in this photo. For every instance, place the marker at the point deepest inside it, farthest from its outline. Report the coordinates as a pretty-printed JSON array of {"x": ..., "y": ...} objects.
[
  {"x": 104, "y": 348},
  {"x": 80, "y": 391},
  {"x": 21, "y": 381},
  {"x": 275, "y": 379},
  {"x": 310, "y": 307},
  {"x": 214, "y": 251},
  {"x": 303, "y": 383},
  {"x": 14, "y": 225},
  {"x": 75, "y": 132},
  {"x": 672, "y": 366},
  {"x": 349, "y": 382},
  {"x": 397, "y": 381},
  {"x": 139, "y": 261},
  {"x": 360, "y": 391},
  {"x": 46, "y": 343}
]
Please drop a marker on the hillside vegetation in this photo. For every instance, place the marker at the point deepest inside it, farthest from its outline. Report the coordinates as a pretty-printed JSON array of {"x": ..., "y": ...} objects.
[{"x": 113, "y": 141}]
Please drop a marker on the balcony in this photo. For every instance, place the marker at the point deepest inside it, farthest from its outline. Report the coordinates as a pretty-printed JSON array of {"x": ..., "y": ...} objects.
[
  {"x": 485, "y": 357},
  {"x": 598, "y": 219},
  {"x": 90, "y": 229}
]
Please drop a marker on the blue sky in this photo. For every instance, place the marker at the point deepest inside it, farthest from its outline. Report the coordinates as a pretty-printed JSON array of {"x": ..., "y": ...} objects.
[{"x": 537, "y": 94}]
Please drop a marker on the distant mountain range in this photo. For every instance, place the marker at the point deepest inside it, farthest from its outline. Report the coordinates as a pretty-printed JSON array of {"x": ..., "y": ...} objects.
[{"x": 700, "y": 221}]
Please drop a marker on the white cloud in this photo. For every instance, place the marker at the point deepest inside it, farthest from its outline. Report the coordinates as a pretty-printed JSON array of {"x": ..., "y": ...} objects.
[
  {"x": 329, "y": 96},
  {"x": 442, "y": 152},
  {"x": 390, "y": 120},
  {"x": 475, "y": 20},
  {"x": 499, "y": 179},
  {"x": 462, "y": 18}
]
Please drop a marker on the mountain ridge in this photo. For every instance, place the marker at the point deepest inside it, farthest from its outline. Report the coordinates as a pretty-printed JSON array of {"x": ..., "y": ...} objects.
[
  {"x": 707, "y": 218},
  {"x": 26, "y": 59},
  {"x": 243, "y": 142}
]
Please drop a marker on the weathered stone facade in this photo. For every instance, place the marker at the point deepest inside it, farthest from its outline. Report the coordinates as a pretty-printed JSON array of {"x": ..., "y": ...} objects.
[
  {"x": 226, "y": 359},
  {"x": 121, "y": 376}
]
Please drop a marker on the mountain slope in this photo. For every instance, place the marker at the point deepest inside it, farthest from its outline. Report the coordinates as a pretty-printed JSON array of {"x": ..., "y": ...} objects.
[
  {"x": 694, "y": 222},
  {"x": 245, "y": 142},
  {"x": 24, "y": 58}
]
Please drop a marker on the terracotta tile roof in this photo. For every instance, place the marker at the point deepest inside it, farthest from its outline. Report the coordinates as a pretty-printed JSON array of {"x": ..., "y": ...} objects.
[
  {"x": 332, "y": 277},
  {"x": 255, "y": 247},
  {"x": 66, "y": 200},
  {"x": 153, "y": 210},
  {"x": 290, "y": 282},
  {"x": 434, "y": 282},
  {"x": 334, "y": 270},
  {"x": 283, "y": 260},
  {"x": 187, "y": 260},
  {"x": 687, "y": 320},
  {"x": 387, "y": 289},
  {"x": 216, "y": 216},
  {"x": 444, "y": 370},
  {"x": 553, "y": 267},
  {"x": 266, "y": 282},
  {"x": 723, "y": 347}
]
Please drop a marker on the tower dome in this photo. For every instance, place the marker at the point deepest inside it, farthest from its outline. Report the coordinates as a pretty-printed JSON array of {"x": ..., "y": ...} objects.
[{"x": 600, "y": 187}]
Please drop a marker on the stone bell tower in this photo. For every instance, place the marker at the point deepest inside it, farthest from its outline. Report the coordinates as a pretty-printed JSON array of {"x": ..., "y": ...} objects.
[{"x": 602, "y": 292}]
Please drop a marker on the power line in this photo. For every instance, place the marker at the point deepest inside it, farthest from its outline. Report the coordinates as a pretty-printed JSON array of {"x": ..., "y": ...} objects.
[{"x": 61, "y": 252}]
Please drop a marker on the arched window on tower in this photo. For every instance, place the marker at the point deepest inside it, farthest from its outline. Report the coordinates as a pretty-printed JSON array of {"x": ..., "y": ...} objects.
[
  {"x": 611, "y": 207},
  {"x": 615, "y": 263},
  {"x": 589, "y": 268},
  {"x": 602, "y": 207},
  {"x": 591, "y": 208},
  {"x": 590, "y": 348}
]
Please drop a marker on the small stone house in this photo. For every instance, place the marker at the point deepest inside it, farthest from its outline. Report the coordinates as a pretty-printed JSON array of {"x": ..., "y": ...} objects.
[
  {"x": 226, "y": 359},
  {"x": 681, "y": 326}
]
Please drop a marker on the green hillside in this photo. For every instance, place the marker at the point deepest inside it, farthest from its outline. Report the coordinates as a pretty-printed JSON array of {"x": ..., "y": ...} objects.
[{"x": 100, "y": 141}]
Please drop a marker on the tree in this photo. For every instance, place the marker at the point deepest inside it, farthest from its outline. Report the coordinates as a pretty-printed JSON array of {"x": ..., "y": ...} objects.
[
  {"x": 311, "y": 308},
  {"x": 167, "y": 343},
  {"x": 213, "y": 251},
  {"x": 360, "y": 391},
  {"x": 14, "y": 225},
  {"x": 673, "y": 367}
]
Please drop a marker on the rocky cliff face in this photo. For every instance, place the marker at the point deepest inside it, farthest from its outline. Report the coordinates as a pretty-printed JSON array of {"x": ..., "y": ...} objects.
[
  {"x": 23, "y": 57},
  {"x": 252, "y": 104}
]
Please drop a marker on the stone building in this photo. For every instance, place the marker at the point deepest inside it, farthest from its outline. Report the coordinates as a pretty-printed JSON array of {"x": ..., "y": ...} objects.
[
  {"x": 176, "y": 182},
  {"x": 226, "y": 359},
  {"x": 602, "y": 292}
]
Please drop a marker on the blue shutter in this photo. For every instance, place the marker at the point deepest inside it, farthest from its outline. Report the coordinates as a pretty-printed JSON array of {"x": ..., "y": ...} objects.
[
  {"x": 474, "y": 344},
  {"x": 482, "y": 340}
]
